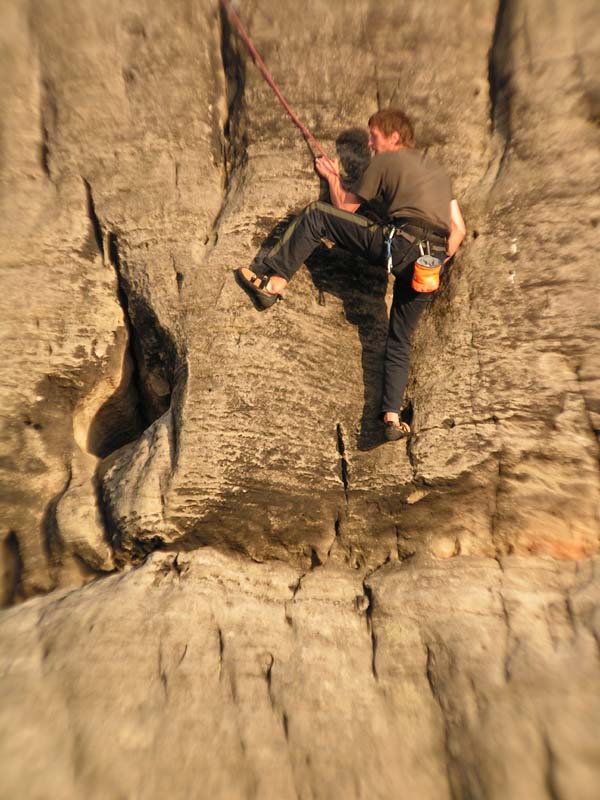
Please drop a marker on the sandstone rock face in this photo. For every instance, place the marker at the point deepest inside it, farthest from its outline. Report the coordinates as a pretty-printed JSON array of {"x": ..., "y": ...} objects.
[
  {"x": 201, "y": 675},
  {"x": 260, "y": 432},
  {"x": 147, "y": 405},
  {"x": 111, "y": 150}
]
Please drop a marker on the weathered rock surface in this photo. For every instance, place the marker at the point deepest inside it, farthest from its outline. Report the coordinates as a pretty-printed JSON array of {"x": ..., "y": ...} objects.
[
  {"x": 110, "y": 153},
  {"x": 142, "y": 189},
  {"x": 201, "y": 675},
  {"x": 146, "y": 405}
]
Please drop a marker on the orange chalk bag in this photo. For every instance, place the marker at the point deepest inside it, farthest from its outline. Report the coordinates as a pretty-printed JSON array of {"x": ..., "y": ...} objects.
[{"x": 426, "y": 272}]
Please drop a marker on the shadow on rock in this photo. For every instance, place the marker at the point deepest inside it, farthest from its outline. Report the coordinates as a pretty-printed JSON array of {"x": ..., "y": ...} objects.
[
  {"x": 352, "y": 149},
  {"x": 359, "y": 285}
]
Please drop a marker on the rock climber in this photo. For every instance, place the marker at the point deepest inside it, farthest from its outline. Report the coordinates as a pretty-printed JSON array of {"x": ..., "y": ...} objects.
[{"x": 421, "y": 213}]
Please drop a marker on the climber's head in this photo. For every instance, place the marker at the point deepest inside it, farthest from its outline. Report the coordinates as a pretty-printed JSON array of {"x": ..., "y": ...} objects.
[{"x": 390, "y": 129}]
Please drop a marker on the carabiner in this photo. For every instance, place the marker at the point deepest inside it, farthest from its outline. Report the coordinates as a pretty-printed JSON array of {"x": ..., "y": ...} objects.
[{"x": 388, "y": 248}]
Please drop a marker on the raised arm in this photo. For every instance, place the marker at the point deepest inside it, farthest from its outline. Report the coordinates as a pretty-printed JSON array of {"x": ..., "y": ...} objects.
[
  {"x": 458, "y": 229},
  {"x": 340, "y": 196}
]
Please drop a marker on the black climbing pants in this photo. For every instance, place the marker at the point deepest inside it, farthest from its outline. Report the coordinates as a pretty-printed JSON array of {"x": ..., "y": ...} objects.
[{"x": 364, "y": 237}]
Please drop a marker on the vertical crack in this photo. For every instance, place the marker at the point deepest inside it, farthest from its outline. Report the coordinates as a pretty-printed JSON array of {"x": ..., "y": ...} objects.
[
  {"x": 221, "y": 651},
  {"x": 412, "y": 459},
  {"x": 507, "y": 645},
  {"x": 47, "y": 105},
  {"x": 179, "y": 276},
  {"x": 48, "y": 115},
  {"x": 235, "y": 81},
  {"x": 162, "y": 672},
  {"x": 550, "y": 769},
  {"x": 407, "y": 416},
  {"x": 283, "y": 715},
  {"x": 371, "y": 629},
  {"x": 176, "y": 566},
  {"x": 183, "y": 655},
  {"x": 297, "y": 586},
  {"x": 13, "y": 570},
  {"x": 269, "y": 679},
  {"x": 235, "y": 142},
  {"x": 341, "y": 447},
  {"x": 499, "y": 78},
  {"x": 337, "y": 526},
  {"x": 93, "y": 217},
  {"x": 435, "y": 693},
  {"x": 45, "y": 151},
  {"x": 498, "y": 72},
  {"x": 286, "y": 726},
  {"x": 570, "y": 613},
  {"x": 495, "y": 514}
]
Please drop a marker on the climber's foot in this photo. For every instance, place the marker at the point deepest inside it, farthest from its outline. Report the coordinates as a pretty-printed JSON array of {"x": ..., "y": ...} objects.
[
  {"x": 265, "y": 291},
  {"x": 394, "y": 428}
]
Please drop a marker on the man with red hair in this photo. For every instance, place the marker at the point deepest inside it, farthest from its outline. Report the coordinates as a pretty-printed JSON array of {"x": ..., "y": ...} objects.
[{"x": 421, "y": 214}]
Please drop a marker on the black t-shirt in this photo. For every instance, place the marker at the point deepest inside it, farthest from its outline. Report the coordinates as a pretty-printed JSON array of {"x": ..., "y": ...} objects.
[{"x": 409, "y": 184}]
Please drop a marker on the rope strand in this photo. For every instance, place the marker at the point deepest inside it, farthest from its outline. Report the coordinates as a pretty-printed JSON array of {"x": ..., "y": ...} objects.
[{"x": 269, "y": 78}]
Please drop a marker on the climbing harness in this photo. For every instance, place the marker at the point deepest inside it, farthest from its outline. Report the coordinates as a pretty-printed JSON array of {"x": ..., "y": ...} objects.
[
  {"x": 312, "y": 142},
  {"x": 426, "y": 269}
]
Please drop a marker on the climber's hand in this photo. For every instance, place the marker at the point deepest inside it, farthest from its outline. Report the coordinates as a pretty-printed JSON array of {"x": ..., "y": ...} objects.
[{"x": 326, "y": 167}]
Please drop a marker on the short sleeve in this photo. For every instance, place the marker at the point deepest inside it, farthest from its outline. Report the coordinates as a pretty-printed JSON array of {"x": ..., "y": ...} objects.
[{"x": 370, "y": 184}]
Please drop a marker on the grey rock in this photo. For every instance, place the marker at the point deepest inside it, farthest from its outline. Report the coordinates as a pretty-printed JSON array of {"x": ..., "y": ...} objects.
[{"x": 205, "y": 675}]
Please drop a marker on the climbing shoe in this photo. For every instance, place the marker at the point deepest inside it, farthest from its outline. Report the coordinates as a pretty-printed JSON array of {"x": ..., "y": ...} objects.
[
  {"x": 395, "y": 430},
  {"x": 256, "y": 287}
]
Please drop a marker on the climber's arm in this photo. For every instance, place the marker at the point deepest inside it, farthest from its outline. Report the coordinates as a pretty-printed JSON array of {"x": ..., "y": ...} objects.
[
  {"x": 341, "y": 197},
  {"x": 458, "y": 229}
]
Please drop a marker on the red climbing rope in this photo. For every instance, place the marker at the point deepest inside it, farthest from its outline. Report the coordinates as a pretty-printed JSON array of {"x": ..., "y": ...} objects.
[{"x": 269, "y": 78}]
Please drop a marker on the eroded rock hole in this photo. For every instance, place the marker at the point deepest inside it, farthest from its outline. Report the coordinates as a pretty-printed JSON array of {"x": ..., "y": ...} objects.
[
  {"x": 148, "y": 367},
  {"x": 151, "y": 347}
]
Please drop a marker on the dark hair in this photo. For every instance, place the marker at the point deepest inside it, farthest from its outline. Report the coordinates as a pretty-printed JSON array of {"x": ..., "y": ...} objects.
[{"x": 389, "y": 120}]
